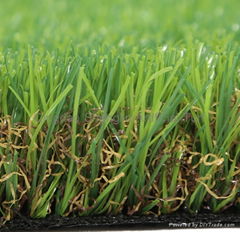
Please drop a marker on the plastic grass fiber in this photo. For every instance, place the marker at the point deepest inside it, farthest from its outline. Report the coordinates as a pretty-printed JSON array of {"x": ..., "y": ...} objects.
[{"x": 119, "y": 107}]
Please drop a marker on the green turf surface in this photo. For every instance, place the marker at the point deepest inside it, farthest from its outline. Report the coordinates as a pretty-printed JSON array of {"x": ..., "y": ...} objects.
[
  {"x": 51, "y": 24},
  {"x": 111, "y": 107}
]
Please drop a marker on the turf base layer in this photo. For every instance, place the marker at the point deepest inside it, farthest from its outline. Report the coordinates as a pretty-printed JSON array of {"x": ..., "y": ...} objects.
[{"x": 176, "y": 220}]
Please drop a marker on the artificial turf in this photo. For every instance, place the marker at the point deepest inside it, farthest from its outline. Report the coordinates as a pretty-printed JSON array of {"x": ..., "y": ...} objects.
[{"x": 111, "y": 107}]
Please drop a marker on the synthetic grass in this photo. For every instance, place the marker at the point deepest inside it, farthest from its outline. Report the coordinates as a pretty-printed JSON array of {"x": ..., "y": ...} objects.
[{"x": 118, "y": 107}]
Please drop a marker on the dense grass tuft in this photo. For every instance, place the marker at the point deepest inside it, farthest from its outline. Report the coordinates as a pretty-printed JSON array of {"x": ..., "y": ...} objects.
[{"x": 110, "y": 117}]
